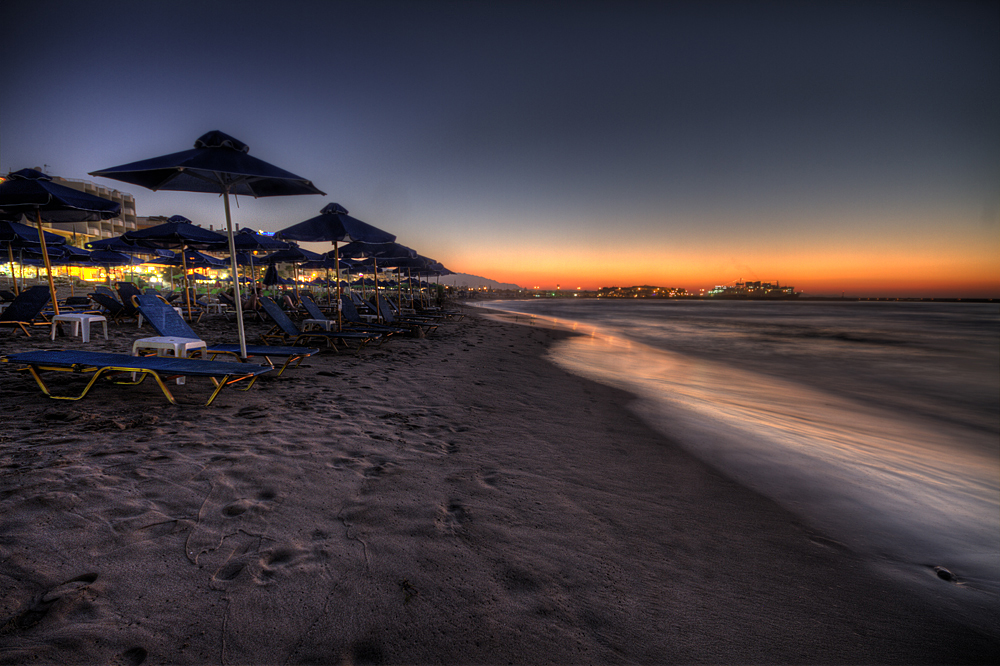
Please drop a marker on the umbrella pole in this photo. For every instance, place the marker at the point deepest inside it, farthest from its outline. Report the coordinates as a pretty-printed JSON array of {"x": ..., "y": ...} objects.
[
  {"x": 45, "y": 256},
  {"x": 329, "y": 294},
  {"x": 340, "y": 305},
  {"x": 13, "y": 275},
  {"x": 187, "y": 291},
  {"x": 378, "y": 306},
  {"x": 236, "y": 283}
]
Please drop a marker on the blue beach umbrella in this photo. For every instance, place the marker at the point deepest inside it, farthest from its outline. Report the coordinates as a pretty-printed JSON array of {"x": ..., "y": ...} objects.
[
  {"x": 106, "y": 259},
  {"x": 177, "y": 232},
  {"x": 218, "y": 164},
  {"x": 15, "y": 232},
  {"x": 334, "y": 224},
  {"x": 15, "y": 236},
  {"x": 294, "y": 255},
  {"x": 116, "y": 244},
  {"x": 249, "y": 241},
  {"x": 32, "y": 193},
  {"x": 375, "y": 253}
]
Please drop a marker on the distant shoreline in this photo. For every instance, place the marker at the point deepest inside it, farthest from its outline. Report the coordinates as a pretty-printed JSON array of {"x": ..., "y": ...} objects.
[{"x": 499, "y": 295}]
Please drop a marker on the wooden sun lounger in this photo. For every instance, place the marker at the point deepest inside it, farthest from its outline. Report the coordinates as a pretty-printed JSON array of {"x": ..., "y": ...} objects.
[{"x": 158, "y": 367}]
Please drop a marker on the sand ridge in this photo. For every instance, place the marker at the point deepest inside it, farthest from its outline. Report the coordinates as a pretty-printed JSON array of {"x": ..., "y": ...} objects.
[{"x": 454, "y": 499}]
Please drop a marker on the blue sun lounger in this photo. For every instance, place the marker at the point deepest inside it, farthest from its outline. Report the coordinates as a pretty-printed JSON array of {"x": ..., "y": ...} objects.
[
  {"x": 285, "y": 330},
  {"x": 160, "y": 368},
  {"x": 321, "y": 319},
  {"x": 26, "y": 308},
  {"x": 166, "y": 322}
]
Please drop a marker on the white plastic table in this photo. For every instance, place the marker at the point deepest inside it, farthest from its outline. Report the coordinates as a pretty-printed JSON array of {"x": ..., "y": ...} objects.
[
  {"x": 325, "y": 324},
  {"x": 164, "y": 344},
  {"x": 81, "y": 324}
]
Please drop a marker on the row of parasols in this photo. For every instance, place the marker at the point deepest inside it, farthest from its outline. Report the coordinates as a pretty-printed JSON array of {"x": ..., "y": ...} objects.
[{"x": 218, "y": 164}]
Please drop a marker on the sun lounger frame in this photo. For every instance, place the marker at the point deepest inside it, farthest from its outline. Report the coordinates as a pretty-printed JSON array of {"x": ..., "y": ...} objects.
[
  {"x": 26, "y": 309},
  {"x": 291, "y": 354},
  {"x": 166, "y": 322},
  {"x": 285, "y": 331},
  {"x": 160, "y": 368}
]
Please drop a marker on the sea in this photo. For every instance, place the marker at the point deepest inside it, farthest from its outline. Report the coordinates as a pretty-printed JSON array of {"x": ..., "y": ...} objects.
[{"x": 876, "y": 422}]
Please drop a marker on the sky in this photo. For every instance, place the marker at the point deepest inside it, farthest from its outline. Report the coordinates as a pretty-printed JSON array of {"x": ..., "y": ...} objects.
[{"x": 840, "y": 147}]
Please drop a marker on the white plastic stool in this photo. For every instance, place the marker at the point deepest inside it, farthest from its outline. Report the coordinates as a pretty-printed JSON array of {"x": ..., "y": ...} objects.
[
  {"x": 179, "y": 346},
  {"x": 81, "y": 324}
]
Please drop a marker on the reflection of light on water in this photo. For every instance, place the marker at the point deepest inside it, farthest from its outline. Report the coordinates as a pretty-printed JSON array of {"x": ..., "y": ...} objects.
[{"x": 902, "y": 490}]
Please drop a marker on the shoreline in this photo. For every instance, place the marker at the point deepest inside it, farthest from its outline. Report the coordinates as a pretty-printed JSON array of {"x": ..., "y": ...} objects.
[{"x": 457, "y": 499}]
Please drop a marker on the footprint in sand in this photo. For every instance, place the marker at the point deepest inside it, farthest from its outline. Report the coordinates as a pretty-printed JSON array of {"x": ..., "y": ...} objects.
[
  {"x": 131, "y": 657},
  {"x": 41, "y": 606},
  {"x": 223, "y": 513},
  {"x": 452, "y": 516},
  {"x": 488, "y": 477}
]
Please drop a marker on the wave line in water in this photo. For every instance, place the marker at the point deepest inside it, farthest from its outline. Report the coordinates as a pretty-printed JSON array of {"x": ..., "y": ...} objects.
[{"x": 908, "y": 492}]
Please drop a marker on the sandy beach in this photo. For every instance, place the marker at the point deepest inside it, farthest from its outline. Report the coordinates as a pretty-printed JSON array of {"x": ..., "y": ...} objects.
[{"x": 454, "y": 499}]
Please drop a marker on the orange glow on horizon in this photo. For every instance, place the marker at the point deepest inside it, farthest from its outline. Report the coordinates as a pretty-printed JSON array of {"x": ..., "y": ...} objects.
[{"x": 941, "y": 274}]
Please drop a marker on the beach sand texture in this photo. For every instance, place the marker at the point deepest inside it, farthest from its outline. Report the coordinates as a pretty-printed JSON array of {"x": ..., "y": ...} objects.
[{"x": 455, "y": 499}]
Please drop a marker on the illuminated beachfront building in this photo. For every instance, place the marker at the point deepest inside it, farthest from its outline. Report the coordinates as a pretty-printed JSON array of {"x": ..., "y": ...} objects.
[{"x": 80, "y": 232}]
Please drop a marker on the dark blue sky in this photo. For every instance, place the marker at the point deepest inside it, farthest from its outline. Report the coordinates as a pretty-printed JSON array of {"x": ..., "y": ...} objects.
[{"x": 824, "y": 144}]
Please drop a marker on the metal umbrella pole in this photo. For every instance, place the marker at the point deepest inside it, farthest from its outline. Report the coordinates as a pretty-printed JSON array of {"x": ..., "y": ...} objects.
[
  {"x": 236, "y": 282},
  {"x": 45, "y": 257},
  {"x": 13, "y": 275}
]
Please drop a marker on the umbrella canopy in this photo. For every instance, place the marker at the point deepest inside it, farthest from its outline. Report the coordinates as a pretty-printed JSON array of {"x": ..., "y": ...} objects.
[
  {"x": 196, "y": 259},
  {"x": 248, "y": 239},
  {"x": 334, "y": 224},
  {"x": 18, "y": 235},
  {"x": 375, "y": 253},
  {"x": 110, "y": 258},
  {"x": 32, "y": 193},
  {"x": 361, "y": 250},
  {"x": 72, "y": 255},
  {"x": 218, "y": 164},
  {"x": 177, "y": 232},
  {"x": 292, "y": 255},
  {"x": 116, "y": 244},
  {"x": 29, "y": 191}
]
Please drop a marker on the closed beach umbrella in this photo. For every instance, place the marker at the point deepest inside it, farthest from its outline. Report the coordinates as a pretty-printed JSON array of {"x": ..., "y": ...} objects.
[
  {"x": 271, "y": 277},
  {"x": 218, "y": 164},
  {"x": 334, "y": 224},
  {"x": 33, "y": 194}
]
